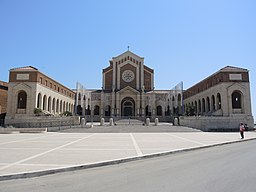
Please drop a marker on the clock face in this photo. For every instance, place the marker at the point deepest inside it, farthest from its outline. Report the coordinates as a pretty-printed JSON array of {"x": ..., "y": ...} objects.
[{"x": 128, "y": 76}]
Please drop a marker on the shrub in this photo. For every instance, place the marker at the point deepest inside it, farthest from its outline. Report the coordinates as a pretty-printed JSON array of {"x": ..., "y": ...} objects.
[
  {"x": 37, "y": 111},
  {"x": 67, "y": 113}
]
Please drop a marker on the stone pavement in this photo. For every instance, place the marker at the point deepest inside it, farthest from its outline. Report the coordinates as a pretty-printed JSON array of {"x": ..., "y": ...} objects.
[
  {"x": 133, "y": 128},
  {"x": 26, "y": 155}
]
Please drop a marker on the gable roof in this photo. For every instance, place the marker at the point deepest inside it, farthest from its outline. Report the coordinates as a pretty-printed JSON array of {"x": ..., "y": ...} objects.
[
  {"x": 232, "y": 69},
  {"x": 27, "y": 68}
]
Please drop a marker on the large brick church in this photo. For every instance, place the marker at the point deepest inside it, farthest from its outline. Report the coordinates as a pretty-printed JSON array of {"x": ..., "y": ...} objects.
[{"x": 128, "y": 91}]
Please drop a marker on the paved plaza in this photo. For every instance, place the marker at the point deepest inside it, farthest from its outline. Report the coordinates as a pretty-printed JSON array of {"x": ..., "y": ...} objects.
[{"x": 26, "y": 153}]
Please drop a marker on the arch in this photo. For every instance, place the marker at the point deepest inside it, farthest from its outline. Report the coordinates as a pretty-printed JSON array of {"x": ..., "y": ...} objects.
[
  {"x": 64, "y": 106},
  {"x": 57, "y": 106},
  {"x": 39, "y": 101},
  {"x": 203, "y": 105},
  {"x": 53, "y": 105},
  {"x": 49, "y": 104},
  {"x": 208, "y": 104},
  {"x": 196, "y": 109},
  {"x": 22, "y": 100},
  {"x": 128, "y": 107},
  {"x": 96, "y": 110},
  {"x": 218, "y": 101},
  {"x": 237, "y": 100},
  {"x": 199, "y": 106},
  {"x": 60, "y": 106},
  {"x": 44, "y": 102},
  {"x": 159, "y": 110},
  {"x": 213, "y": 103}
]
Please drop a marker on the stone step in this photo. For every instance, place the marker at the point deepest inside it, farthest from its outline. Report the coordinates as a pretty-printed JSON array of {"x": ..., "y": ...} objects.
[{"x": 129, "y": 122}]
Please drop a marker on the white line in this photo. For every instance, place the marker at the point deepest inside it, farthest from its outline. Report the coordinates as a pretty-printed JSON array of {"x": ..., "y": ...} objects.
[
  {"x": 40, "y": 154},
  {"x": 185, "y": 139},
  {"x": 138, "y": 151}
]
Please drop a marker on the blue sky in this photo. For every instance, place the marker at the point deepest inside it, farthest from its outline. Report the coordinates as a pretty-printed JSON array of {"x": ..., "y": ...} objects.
[{"x": 182, "y": 40}]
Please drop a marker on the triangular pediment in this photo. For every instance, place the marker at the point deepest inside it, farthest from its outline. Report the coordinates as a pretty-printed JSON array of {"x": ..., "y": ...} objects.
[
  {"x": 128, "y": 89},
  {"x": 128, "y": 53}
]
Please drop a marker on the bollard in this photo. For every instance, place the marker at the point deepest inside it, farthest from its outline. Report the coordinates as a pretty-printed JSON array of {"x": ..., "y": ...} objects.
[
  {"x": 102, "y": 122},
  {"x": 82, "y": 122},
  {"x": 156, "y": 121},
  {"x": 176, "y": 122},
  {"x": 147, "y": 121},
  {"x": 111, "y": 122}
]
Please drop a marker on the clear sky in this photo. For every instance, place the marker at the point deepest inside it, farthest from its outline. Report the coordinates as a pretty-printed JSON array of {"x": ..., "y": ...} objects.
[{"x": 182, "y": 40}]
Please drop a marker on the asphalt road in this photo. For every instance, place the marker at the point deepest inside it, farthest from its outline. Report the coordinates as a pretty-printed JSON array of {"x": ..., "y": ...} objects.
[{"x": 224, "y": 168}]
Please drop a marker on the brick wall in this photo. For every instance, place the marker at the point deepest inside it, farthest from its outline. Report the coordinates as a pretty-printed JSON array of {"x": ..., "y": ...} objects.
[{"x": 3, "y": 98}]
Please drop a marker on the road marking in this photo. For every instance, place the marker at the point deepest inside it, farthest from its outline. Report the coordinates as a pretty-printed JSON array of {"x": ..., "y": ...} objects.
[
  {"x": 193, "y": 141},
  {"x": 40, "y": 154},
  {"x": 138, "y": 151}
]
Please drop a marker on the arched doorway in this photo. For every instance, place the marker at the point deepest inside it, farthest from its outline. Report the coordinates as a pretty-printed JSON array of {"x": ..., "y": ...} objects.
[
  {"x": 22, "y": 100},
  {"x": 236, "y": 100},
  {"x": 128, "y": 107}
]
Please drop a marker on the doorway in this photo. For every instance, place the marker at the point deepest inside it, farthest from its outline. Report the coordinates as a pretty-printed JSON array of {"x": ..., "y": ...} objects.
[{"x": 128, "y": 107}]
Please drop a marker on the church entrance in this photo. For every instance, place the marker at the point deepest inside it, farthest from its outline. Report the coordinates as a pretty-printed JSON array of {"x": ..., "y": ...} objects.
[{"x": 128, "y": 107}]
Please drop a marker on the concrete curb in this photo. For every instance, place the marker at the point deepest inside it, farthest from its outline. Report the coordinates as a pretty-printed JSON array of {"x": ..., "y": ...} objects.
[
  {"x": 22, "y": 130},
  {"x": 107, "y": 163}
]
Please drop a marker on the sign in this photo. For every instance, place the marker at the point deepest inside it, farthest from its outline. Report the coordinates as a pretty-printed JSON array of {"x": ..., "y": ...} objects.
[
  {"x": 235, "y": 76},
  {"x": 22, "y": 76}
]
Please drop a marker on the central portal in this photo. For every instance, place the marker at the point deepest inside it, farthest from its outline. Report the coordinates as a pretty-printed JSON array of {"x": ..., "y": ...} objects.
[{"x": 128, "y": 107}]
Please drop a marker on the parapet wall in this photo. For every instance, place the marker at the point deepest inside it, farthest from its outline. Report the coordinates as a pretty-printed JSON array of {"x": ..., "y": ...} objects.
[
  {"x": 217, "y": 123},
  {"x": 44, "y": 121}
]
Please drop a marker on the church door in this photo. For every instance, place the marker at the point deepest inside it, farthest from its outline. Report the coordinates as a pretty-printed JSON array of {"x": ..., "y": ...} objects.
[{"x": 128, "y": 107}]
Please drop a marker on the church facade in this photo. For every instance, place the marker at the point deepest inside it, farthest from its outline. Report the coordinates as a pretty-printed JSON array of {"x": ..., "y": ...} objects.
[{"x": 128, "y": 92}]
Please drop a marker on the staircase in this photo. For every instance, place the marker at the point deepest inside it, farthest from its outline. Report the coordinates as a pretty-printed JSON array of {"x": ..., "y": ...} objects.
[{"x": 129, "y": 122}]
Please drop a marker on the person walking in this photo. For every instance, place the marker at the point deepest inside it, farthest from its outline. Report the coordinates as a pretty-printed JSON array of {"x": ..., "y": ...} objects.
[{"x": 241, "y": 129}]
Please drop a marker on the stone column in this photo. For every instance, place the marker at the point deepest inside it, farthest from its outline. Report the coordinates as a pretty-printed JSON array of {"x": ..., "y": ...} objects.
[{"x": 137, "y": 104}]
